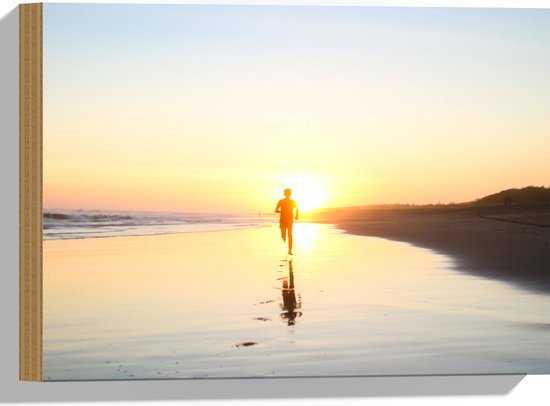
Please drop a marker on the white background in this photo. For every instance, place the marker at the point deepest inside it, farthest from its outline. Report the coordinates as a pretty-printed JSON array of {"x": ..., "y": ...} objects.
[{"x": 474, "y": 390}]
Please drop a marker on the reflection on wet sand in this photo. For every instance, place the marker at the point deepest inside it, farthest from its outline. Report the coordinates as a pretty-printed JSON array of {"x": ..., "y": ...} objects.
[
  {"x": 202, "y": 305},
  {"x": 290, "y": 305}
]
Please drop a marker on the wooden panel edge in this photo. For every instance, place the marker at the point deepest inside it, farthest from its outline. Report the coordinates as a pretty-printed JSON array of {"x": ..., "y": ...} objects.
[{"x": 30, "y": 192}]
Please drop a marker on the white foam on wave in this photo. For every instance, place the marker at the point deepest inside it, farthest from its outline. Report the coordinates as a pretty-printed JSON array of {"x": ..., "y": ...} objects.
[{"x": 77, "y": 224}]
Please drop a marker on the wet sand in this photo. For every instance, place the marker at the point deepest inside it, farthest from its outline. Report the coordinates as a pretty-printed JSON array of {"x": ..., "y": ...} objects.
[
  {"x": 231, "y": 304},
  {"x": 510, "y": 244}
]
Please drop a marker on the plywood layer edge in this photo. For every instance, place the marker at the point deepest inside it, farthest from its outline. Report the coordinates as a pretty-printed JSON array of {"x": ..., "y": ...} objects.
[{"x": 30, "y": 192}]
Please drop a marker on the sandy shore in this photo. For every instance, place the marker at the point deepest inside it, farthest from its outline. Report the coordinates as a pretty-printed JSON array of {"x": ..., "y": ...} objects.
[
  {"x": 232, "y": 304},
  {"x": 509, "y": 244}
]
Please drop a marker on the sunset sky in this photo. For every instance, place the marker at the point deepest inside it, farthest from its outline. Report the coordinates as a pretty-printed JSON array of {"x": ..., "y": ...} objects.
[{"x": 219, "y": 108}]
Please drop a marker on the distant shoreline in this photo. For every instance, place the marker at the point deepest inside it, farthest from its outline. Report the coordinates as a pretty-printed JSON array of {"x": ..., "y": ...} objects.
[
  {"x": 514, "y": 249},
  {"x": 511, "y": 244},
  {"x": 220, "y": 230}
]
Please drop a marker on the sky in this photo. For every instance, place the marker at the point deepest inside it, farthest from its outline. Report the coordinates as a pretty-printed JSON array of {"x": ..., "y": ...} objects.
[{"x": 219, "y": 108}]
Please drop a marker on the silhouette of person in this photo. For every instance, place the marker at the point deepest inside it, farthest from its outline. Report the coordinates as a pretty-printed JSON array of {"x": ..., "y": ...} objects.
[
  {"x": 286, "y": 208},
  {"x": 290, "y": 305}
]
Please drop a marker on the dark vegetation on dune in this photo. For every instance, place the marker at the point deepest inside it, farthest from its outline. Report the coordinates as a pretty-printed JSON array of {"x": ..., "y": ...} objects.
[{"x": 526, "y": 197}]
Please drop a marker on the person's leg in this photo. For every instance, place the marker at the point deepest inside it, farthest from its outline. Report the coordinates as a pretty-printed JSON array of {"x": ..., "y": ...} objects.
[
  {"x": 289, "y": 227},
  {"x": 283, "y": 231}
]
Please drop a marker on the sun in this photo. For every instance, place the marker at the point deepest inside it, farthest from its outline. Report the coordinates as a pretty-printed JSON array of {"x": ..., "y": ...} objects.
[{"x": 309, "y": 191}]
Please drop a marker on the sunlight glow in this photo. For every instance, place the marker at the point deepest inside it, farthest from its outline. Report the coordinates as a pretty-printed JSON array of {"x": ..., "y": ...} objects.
[
  {"x": 306, "y": 235},
  {"x": 309, "y": 191}
]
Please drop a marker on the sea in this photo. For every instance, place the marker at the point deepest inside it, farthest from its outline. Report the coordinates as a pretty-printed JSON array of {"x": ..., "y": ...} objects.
[{"x": 77, "y": 224}]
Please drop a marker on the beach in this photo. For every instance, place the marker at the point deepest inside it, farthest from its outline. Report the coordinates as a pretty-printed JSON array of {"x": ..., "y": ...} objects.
[
  {"x": 170, "y": 177},
  {"x": 233, "y": 304},
  {"x": 506, "y": 243}
]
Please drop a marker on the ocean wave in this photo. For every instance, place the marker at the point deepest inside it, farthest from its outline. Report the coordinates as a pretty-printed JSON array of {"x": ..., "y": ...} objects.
[
  {"x": 84, "y": 217},
  {"x": 80, "y": 224}
]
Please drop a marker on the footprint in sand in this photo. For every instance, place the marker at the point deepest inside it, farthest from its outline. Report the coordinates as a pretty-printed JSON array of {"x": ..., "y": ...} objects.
[
  {"x": 263, "y": 318},
  {"x": 245, "y": 344}
]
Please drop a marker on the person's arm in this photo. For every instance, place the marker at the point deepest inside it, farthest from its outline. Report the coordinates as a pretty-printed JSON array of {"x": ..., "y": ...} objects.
[
  {"x": 296, "y": 207},
  {"x": 278, "y": 208}
]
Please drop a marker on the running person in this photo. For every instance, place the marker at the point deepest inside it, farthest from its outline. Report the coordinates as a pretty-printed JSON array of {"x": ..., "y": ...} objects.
[{"x": 286, "y": 207}]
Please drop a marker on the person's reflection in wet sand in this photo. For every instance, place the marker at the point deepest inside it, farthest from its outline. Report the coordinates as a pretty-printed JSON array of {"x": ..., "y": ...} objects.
[{"x": 290, "y": 305}]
